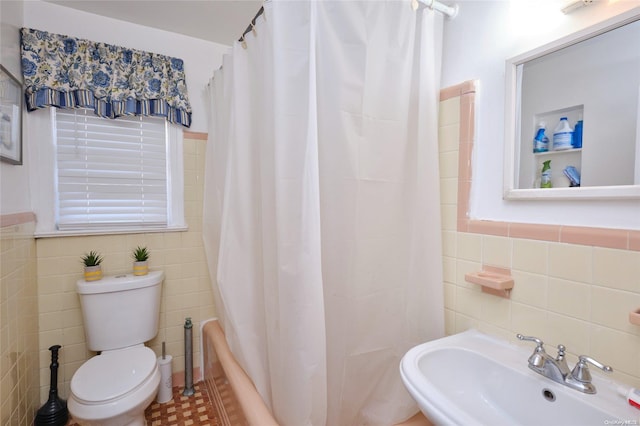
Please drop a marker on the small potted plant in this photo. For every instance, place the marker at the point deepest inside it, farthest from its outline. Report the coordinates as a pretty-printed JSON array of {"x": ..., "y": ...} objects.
[
  {"x": 92, "y": 266},
  {"x": 141, "y": 261}
]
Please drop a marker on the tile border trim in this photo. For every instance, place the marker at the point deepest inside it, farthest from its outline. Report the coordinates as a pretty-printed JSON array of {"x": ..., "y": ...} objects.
[
  {"x": 625, "y": 239},
  {"x": 16, "y": 219},
  {"x": 201, "y": 136}
]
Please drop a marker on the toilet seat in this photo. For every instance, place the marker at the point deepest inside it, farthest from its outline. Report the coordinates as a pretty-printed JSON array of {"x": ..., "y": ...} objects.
[{"x": 113, "y": 375}]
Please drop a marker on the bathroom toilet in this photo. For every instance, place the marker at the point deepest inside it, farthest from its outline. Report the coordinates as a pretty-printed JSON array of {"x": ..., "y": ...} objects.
[{"x": 120, "y": 313}]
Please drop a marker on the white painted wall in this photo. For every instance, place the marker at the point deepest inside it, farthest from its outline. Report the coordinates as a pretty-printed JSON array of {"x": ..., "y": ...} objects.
[
  {"x": 476, "y": 45},
  {"x": 200, "y": 57},
  {"x": 10, "y": 22},
  {"x": 14, "y": 183}
]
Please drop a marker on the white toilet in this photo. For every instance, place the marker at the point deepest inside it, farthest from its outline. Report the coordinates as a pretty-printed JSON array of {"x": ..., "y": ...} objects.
[{"x": 120, "y": 313}]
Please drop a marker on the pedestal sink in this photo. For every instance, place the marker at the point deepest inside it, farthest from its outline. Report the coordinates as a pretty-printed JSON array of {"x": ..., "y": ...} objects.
[{"x": 475, "y": 379}]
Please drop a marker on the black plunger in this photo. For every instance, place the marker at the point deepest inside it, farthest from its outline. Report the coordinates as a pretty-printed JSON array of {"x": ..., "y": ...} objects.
[{"x": 54, "y": 412}]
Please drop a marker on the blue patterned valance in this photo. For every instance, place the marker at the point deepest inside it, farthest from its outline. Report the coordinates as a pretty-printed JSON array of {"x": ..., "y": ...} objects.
[{"x": 68, "y": 72}]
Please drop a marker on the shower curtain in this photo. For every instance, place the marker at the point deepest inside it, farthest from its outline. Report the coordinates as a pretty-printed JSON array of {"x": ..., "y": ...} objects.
[{"x": 321, "y": 205}]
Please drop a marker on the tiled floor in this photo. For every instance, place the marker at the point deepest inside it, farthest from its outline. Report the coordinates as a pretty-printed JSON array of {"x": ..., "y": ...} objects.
[
  {"x": 213, "y": 404},
  {"x": 196, "y": 410}
]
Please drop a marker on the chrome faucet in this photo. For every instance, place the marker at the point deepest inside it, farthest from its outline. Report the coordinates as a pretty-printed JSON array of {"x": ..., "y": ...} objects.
[{"x": 557, "y": 369}]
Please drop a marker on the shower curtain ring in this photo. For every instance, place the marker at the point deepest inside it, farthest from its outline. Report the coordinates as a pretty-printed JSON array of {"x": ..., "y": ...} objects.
[
  {"x": 243, "y": 43},
  {"x": 253, "y": 30}
]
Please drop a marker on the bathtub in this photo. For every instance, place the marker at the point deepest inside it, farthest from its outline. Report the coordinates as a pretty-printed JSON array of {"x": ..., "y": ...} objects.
[{"x": 231, "y": 390}]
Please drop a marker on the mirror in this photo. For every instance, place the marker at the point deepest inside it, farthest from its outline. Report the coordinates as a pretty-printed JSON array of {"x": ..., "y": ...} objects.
[{"x": 593, "y": 79}]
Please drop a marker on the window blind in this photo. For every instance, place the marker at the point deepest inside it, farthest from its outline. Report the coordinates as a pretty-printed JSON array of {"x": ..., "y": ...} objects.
[{"x": 110, "y": 173}]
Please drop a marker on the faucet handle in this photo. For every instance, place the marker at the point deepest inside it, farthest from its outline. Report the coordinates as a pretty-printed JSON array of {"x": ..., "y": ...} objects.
[
  {"x": 538, "y": 356},
  {"x": 538, "y": 342},
  {"x": 581, "y": 371}
]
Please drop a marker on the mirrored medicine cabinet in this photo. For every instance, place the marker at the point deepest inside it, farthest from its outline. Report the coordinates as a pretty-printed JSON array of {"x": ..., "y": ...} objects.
[{"x": 592, "y": 76}]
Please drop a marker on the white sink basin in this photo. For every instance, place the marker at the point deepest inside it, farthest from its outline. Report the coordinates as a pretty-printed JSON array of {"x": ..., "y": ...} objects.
[{"x": 475, "y": 379}]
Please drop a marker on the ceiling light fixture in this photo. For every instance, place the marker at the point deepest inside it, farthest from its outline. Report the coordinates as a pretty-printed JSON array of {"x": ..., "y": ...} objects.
[{"x": 575, "y": 4}]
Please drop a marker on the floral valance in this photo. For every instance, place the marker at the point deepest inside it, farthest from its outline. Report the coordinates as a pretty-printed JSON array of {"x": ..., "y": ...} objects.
[{"x": 68, "y": 72}]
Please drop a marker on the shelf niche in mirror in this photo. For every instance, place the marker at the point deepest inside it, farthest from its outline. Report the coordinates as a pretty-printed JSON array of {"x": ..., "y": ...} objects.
[{"x": 593, "y": 75}]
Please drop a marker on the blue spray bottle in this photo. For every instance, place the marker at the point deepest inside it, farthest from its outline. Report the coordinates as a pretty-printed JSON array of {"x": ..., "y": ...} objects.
[{"x": 541, "y": 141}]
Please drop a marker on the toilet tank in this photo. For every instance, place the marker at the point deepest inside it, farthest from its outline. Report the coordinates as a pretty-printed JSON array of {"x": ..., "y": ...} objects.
[{"x": 120, "y": 310}]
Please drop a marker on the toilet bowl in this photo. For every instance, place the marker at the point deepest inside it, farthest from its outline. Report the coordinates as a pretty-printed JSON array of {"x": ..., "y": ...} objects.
[
  {"x": 120, "y": 313},
  {"x": 114, "y": 388}
]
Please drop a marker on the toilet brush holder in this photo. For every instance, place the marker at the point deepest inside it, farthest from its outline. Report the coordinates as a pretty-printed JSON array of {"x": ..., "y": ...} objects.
[
  {"x": 54, "y": 412},
  {"x": 165, "y": 392}
]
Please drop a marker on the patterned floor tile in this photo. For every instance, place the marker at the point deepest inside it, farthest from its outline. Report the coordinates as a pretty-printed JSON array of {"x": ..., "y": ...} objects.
[{"x": 195, "y": 410}]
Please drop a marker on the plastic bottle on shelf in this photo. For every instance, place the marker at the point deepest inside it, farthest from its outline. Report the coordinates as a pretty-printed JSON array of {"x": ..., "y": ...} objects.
[
  {"x": 545, "y": 180},
  {"x": 577, "y": 134},
  {"x": 541, "y": 141},
  {"x": 563, "y": 135}
]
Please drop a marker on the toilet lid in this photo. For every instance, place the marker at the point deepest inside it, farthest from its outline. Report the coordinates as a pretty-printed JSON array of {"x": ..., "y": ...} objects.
[{"x": 113, "y": 374}]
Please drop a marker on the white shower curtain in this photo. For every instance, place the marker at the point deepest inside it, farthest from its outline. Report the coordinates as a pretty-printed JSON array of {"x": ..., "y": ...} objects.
[{"x": 321, "y": 205}]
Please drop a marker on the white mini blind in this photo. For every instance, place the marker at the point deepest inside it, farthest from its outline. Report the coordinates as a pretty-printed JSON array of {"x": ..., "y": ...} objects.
[{"x": 110, "y": 173}]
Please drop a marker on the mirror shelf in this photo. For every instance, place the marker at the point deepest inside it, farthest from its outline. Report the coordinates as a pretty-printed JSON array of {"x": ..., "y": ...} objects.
[
  {"x": 621, "y": 192},
  {"x": 541, "y": 88}
]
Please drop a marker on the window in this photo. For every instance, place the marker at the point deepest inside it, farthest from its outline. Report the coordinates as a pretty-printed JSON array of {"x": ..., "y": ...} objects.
[
  {"x": 108, "y": 176},
  {"x": 110, "y": 172}
]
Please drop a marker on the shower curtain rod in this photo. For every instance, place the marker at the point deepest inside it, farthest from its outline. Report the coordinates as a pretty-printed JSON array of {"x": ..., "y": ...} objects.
[
  {"x": 251, "y": 24},
  {"x": 449, "y": 11}
]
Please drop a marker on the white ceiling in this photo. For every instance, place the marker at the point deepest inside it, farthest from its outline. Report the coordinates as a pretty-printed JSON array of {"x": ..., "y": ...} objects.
[{"x": 220, "y": 21}]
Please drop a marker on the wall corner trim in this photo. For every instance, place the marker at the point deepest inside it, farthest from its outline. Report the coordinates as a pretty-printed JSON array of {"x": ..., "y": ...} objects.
[{"x": 469, "y": 86}]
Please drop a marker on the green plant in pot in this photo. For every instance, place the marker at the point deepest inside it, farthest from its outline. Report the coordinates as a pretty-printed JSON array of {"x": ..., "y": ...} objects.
[
  {"x": 141, "y": 261},
  {"x": 92, "y": 266}
]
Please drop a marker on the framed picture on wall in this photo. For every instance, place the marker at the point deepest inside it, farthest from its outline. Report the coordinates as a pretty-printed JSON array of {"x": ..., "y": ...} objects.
[{"x": 10, "y": 118}]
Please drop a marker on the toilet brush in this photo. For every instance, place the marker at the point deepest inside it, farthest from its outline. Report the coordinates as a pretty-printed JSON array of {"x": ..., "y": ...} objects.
[{"x": 54, "y": 412}]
